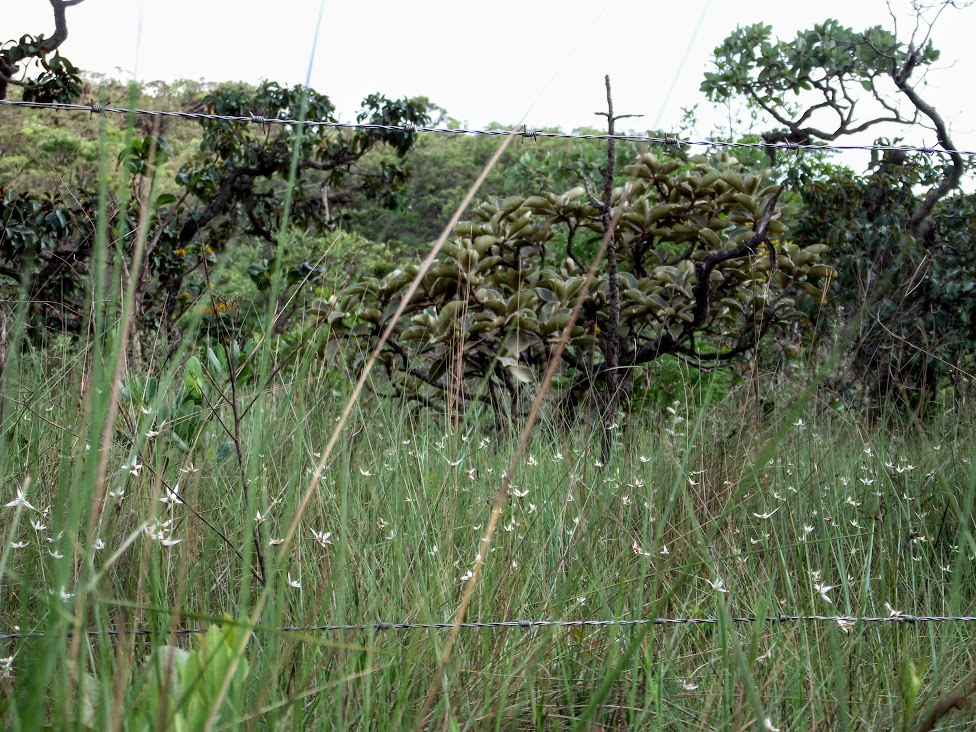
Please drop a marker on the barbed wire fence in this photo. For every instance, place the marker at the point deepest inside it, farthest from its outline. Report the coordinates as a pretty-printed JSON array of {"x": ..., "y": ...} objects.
[
  {"x": 846, "y": 622},
  {"x": 533, "y": 134}
]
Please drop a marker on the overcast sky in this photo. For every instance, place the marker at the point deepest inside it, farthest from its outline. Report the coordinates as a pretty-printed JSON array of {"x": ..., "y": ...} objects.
[{"x": 484, "y": 61}]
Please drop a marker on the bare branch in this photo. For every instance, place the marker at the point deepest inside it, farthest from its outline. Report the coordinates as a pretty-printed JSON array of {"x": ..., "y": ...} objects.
[
  {"x": 60, "y": 25},
  {"x": 918, "y": 222}
]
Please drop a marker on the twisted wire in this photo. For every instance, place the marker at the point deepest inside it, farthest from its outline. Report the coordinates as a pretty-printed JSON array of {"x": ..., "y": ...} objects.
[
  {"x": 380, "y": 626},
  {"x": 668, "y": 140}
]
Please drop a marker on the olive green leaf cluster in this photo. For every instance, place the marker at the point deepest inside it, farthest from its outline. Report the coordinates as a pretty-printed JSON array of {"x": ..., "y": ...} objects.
[{"x": 699, "y": 274}]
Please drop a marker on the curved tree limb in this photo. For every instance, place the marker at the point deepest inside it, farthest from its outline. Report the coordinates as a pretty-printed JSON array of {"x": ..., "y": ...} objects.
[
  {"x": 918, "y": 223},
  {"x": 60, "y": 34}
]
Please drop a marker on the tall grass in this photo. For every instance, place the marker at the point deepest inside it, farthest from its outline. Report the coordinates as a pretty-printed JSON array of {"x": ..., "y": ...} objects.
[{"x": 880, "y": 515}]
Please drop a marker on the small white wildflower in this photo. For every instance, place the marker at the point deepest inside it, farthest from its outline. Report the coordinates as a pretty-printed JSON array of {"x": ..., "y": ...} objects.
[
  {"x": 169, "y": 542},
  {"x": 20, "y": 500},
  {"x": 768, "y": 655},
  {"x": 365, "y": 473},
  {"x": 134, "y": 469},
  {"x": 18, "y": 544},
  {"x": 276, "y": 542},
  {"x": 664, "y": 550},
  {"x": 643, "y": 459},
  {"x": 172, "y": 495},
  {"x": 433, "y": 551},
  {"x": 322, "y": 537},
  {"x": 823, "y": 589},
  {"x": 688, "y": 686},
  {"x": 717, "y": 585},
  {"x": 64, "y": 596},
  {"x": 532, "y": 508},
  {"x": 519, "y": 494},
  {"x": 38, "y": 526},
  {"x": 471, "y": 473},
  {"x": 189, "y": 469},
  {"x": 297, "y": 584},
  {"x": 845, "y": 624},
  {"x": 382, "y": 523},
  {"x": 768, "y": 725},
  {"x": 467, "y": 575},
  {"x": 454, "y": 463},
  {"x": 557, "y": 457},
  {"x": 6, "y": 664},
  {"x": 765, "y": 516},
  {"x": 532, "y": 461},
  {"x": 638, "y": 551},
  {"x": 510, "y": 526},
  {"x": 55, "y": 553},
  {"x": 98, "y": 545},
  {"x": 806, "y": 531},
  {"x": 625, "y": 500}
]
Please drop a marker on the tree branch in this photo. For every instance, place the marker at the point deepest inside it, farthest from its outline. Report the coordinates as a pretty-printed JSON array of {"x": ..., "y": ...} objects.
[
  {"x": 703, "y": 269},
  {"x": 60, "y": 25},
  {"x": 917, "y": 224}
]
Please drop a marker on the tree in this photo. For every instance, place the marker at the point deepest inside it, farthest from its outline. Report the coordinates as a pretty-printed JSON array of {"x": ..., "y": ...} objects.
[
  {"x": 885, "y": 233},
  {"x": 59, "y": 79},
  {"x": 699, "y": 276}
]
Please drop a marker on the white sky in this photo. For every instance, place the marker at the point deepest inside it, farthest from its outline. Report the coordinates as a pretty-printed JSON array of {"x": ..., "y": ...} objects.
[{"x": 483, "y": 62}]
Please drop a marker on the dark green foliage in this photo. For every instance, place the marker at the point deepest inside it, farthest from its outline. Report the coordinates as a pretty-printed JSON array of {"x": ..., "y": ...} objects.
[
  {"x": 58, "y": 80},
  {"x": 913, "y": 298}
]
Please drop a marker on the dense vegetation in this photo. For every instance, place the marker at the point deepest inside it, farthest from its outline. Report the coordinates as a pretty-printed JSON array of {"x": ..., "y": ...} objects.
[{"x": 629, "y": 382}]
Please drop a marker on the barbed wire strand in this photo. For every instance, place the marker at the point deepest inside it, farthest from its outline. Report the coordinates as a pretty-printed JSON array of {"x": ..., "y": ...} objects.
[
  {"x": 848, "y": 621},
  {"x": 524, "y": 132}
]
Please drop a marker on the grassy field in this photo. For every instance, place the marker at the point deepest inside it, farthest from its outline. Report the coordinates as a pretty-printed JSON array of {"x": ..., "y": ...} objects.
[
  {"x": 716, "y": 511},
  {"x": 138, "y": 502}
]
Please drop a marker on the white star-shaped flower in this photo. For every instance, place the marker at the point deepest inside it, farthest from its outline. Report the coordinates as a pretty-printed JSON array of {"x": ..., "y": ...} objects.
[
  {"x": 324, "y": 538},
  {"x": 20, "y": 500},
  {"x": 717, "y": 585}
]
